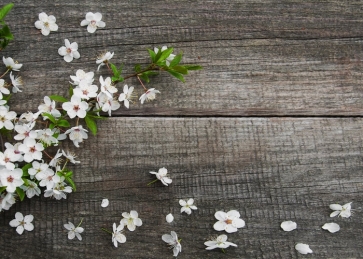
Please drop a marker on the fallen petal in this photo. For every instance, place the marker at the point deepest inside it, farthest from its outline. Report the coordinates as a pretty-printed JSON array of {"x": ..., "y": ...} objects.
[
  {"x": 331, "y": 227},
  {"x": 303, "y": 248},
  {"x": 288, "y": 225},
  {"x": 169, "y": 218},
  {"x": 105, "y": 203}
]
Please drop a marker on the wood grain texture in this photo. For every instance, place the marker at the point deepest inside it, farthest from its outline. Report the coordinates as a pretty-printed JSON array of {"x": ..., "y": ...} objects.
[
  {"x": 259, "y": 57},
  {"x": 270, "y": 170}
]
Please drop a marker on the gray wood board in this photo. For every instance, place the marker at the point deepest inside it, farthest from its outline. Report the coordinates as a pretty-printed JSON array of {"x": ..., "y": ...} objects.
[
  {"x": 259, "y": 57},
  {"x": 269, "y": 169}
]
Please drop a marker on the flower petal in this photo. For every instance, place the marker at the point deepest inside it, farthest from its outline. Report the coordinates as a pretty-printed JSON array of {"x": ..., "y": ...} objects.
[
  {"x": 167, "y": 238},
  {"x": 230, "y": 228},
  {"x": 288, "y": 225},
  {"x": 334, "y": 213},
  {"x": 220, "y": 215},
  {"x": 182, "y": 202},
  {"x": 105, "y": 203},
  {"x": 62, "y": 51},
  {"x": 20, "y": 229},
  {"x": 28, "y": 218},
  {"x": 335, "y": 207},
  {"x": 29, "y": 226},
  {"x": 331, "y": 227},
  {"x": 169, "y": 218},
  {"x": 303, "y": 248},
  {"x": 134, "y": 214},
  {"x": 220, "y": 225}
]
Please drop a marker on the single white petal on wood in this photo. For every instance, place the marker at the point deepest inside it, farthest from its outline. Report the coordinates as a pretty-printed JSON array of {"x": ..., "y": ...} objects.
[
  {"x": 288, "y": 225},
  {"x": 105, "y": 203},
  {"x": 303, "y": 248},
  {"x": 335, "y": 207},
  {"x": 331, "y": 227},
  {"x": 169, "y": 218}
]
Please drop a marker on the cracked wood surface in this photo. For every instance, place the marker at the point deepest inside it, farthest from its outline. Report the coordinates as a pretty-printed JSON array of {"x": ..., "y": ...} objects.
[{"x": 260, "y": 58}]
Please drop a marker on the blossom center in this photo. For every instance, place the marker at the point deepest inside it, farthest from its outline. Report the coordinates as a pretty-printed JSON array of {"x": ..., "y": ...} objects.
[
  {"x": 93, "y": 23},
  {"x": 76, "y": 108},
  {"x": 32, "y": 149},
  {"x": 10, "y": 179},
  {"x": 46, "y": 24},
  {"x": 228, "y": 221},
  {"x": 7, "y": 159},
  {"x": 69, "y": 50}
]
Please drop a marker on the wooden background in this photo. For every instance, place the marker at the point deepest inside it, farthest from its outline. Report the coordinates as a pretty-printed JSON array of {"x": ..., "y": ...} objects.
[{"x": 271, "y": 127}]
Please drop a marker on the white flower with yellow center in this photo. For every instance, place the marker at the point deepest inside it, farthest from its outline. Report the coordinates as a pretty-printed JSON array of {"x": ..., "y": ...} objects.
[{"x": 46, "y": 23}]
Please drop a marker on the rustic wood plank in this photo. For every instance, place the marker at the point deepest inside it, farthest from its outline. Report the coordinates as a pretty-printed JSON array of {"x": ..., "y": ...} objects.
[
  {"x": 269, "y": 169},
  {"x": 259, "y": 57}
]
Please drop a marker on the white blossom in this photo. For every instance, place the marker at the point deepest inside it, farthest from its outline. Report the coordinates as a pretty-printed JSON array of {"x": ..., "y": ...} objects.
[
  {"x": 106, "y": 103},
  {"x": 11, "y": 179},
  {"x": 149, "y": 95},
  {"x": 38, "y": 168},
  {"x": 229, "y": 221},
  {"x": 31, "y": 189},
  {"x": 187, "y": 206},
  {"x": 341, "y": 211},
  {"x": 169, "y": 218},
  {"x": 48, "y": 178},
  {"x": 21, "y": 223},
  {"x": 131, "y": 220},
  {"x": 69, "y": 51},
  {"x": 117, "y": 236},
  {"x": 162, "y": 175},
  {"x": 46, "y": 136},
  {"x": 103, "y": 59},
  {"x": 76, "y": 107},
  {"x": 77, "y": 134},
  {"x": 24, "y": 131},
  {"x": 288, "y": 225},
  {"x": 74, "y": 231},
  {"x": 303, "y": 248},
  {"x": 104, "y": 203},
  {"x": 49, "y": 107},
  {"x": 46, "y": 23},
  {"x": 82, "y": 76},
  {"x": 8, "y": 157},
  {"x": 11, "y": 65},
  {"x": 331, "y": 227},
  {"x": 93, "y": 21},
  {"x": 3, "y": 89},
  {"x": 31, "y": 149},
  {"x": 71, "y": 157},
  {"x": 219, "y": 242},
  {"x": 85, "y": 90},
  {"x": 173, "y": 242},
  {"x": 126, "y": 96},
  {"x": 6, "y": 118},
  {"x": 56, "y": 159},
  {"x": 59, "y": 190},
  {"x": 6, "y": 201},
  {"x": 107, "y": 86},
  {"x": 16, "y": 82}
]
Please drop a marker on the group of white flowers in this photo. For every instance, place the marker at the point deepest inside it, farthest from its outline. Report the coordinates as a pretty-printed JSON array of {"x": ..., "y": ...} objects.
[{"x": 338, "y": 210}]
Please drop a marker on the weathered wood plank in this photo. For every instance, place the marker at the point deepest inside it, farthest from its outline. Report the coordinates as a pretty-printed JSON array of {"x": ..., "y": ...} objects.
[
  {"x": 270, "y": 170},
  {"x": 259, "y": 57}
]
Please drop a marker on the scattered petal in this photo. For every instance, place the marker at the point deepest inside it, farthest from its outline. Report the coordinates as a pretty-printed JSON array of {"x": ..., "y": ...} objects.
[
  {"x": 105, "y": 203},
  {"x": 331, "y": 227},
  {"x": 288, "y": 225},
  {"x": 169, "y": 218},
  {"x": 303, "y": 248}
]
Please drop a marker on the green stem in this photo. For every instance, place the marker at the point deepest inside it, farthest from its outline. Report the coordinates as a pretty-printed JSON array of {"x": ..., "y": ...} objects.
[
  {"x": 5, "y": 73},
  {"x": 106, "y": 231},
  {"x": 80, "y": 223},
  {"x": 152, "y": 182},
  {"x": 151, "y": 67},
  {"x": 223, "y": 250}
]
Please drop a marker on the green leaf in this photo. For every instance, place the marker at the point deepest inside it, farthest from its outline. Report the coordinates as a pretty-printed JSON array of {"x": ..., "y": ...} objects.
[
  {"x": 4, "y": 11},
  {"x": 177, "y": 75},
  {"x": 137, "y": 68},
  {"x": 63, "y": 123},
  {"x": 165, "y": 54},
  {"x": 2, "y": 189},
  {"x": 193, "y": 67},
  {"x": 21, "y": 193},
  {"x": 50, "y": 117},
  {"x": 5, "y": 33},
  {"x": 144, "y": 77},
  {"x": 58, "y": 98},
  {"x": 70, "y": 91},
  {"x": 6, "y": 97},
  {"x": 181, "y": 70},
  {"x": 176, "y": 60},
  {"x": 71, "y": 183},
  {"x": 152, "y": 55},
  {"x": 69, "y": 174},
  {"x": 114, "y": 70},
  {"x": 91, "y": 124},
  {"x": 25, "y": 169},
  {"x": 51, "y": 126}
]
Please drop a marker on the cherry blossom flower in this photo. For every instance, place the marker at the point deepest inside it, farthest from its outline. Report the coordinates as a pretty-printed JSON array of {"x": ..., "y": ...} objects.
[
  {"x": 82, "y": 76},
  {"x": 3, "y": 89},
  {"x": 219, "y": 242},
  {"x": 24, "y": 131},
  {"x": 11, "y": 65},
  {"x": 93, "y": 21},
  {"x": 173, "y": 242},
  {"x": 31, "y": 149},
  {"x": 74, "y": 231},
  {"x": 131, "y": 220},
  {"x": 105, "y": 203},
  {"x": 49, "y": 107},
  {"x": 331, "y": 227},
  {"x": 46, "y": 23},
  {"x": 169, "y": 218},
  {"x": 342, "y": 211},
  {"x": 288, "y": 225},
  {"x": 6, "y": 201},
  {"x": 46, "y": 136},
  {"x": 126, "y": 96},
  {"x": 106, "y": 103},
  {"x": 149, "y": 95},
  {"x": 59, "y": 190},
  {"x": 229, "y": 221},
  {"x": 37, "y": 168},
  {"x": 117, "y": 236},
  {"x": 31, "y": 189},
  {"x": 21, "y": 223},
  {"x": 303, "y": 248},
  {"x": 16, "y": 82},
  {"x": 69, "y": 51},
  {"x": 77, "y": 134},
  {"x": 76, "y": 107},
  {"x": 107, "y": 86},
  {"x": 162, "y": 175},
  {"x": 187, "y": 206},
  {"x": 8, "y": 157},
  {"x": 56, "y": 160},
  {"x": 103, "y": 59},
  {"x": 11, "y": 179},
  {"x": 71, "y": 157},
  {"x": 6, "y": 118},
  {"x": 48, "y": 178},
  {"x": 85, "y": 90}
]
